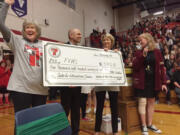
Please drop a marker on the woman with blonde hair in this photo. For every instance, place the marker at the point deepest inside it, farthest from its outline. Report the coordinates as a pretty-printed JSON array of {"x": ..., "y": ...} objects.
[
  {"x": 149, "y": 78},
  {"x": 108, "y": 42}
]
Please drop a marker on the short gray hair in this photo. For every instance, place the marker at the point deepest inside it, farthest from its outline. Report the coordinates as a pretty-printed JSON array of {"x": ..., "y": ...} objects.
[{"x": 38, "y": 28}]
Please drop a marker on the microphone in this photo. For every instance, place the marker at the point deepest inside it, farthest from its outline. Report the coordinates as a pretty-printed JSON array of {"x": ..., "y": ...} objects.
[{"x": 145, "y": 51}]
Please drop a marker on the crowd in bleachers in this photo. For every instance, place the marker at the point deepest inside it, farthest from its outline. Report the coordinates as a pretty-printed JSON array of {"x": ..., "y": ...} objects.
[{"x": 166, "y": 33}]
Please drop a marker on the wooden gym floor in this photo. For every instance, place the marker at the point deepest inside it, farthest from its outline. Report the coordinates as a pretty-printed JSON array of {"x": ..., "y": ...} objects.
[{"x": 166, "y": 117}]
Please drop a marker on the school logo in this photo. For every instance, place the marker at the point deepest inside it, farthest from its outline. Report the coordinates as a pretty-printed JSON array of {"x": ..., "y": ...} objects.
[
  {"x": 54, "y": 52},
  {"x": 20, "y": 7},
  {"x": 34, "y": 55}
]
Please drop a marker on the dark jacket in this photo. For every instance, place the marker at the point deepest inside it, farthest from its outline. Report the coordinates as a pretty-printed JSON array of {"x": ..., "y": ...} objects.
[
  {"x": 67, "y": 87},
  {"x": 139, "y": 70}
]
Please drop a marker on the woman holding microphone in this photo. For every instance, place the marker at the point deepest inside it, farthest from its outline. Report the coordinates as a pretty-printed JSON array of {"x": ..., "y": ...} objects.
[{"x": 148, "y": 79}]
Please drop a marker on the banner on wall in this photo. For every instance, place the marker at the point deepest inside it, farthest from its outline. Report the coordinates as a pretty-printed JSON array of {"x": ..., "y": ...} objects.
[{"x": 20, "y": 7}]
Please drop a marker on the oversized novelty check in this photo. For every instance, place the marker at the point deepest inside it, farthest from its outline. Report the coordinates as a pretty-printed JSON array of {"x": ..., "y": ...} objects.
[{"x": 70, "y": 65}]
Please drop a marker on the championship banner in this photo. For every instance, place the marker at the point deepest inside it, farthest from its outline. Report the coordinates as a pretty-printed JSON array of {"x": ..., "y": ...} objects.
[
  {"x": 20, "y": 7},
  {"x": 70, "y": 65}
]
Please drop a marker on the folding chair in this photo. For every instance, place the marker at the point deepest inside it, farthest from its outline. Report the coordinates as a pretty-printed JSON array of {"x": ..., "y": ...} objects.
[{"x": 42, "y": 120}]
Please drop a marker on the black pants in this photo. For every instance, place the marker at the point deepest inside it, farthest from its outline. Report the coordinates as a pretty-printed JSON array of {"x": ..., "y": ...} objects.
[
  {"x": 83, "y": 104},
  {"x": 70, "y": 100},
  {"x": 53, "y": 93},
  {"x": 100, "y": 96},
  {"x": 24, "y": 100}
]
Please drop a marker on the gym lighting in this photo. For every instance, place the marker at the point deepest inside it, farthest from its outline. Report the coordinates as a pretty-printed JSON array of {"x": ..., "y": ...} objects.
[{"x": 158, "y": 13}]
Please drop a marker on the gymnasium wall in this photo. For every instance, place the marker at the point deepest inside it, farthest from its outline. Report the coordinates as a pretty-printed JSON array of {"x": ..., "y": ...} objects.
[{"x": 88, "y": 14}]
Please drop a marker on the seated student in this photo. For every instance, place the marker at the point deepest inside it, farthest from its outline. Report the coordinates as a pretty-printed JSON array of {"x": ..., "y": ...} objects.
[
  {"x": 176, "y": 77},
  {"x": 168, "y": 88}
]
